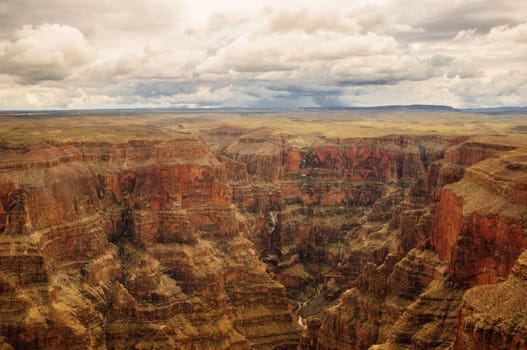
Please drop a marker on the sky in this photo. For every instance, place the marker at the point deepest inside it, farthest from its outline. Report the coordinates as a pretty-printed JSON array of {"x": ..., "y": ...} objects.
[{"x": 261, "y": 54}]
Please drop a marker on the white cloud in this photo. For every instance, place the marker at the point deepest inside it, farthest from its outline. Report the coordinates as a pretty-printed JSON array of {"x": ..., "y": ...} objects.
[
  {"x": 516, "y": 34},
  {"x": 381, "y": 70},
  {"x": 46, "y": 52},
  {"x": 50, "y": 45},
  {"x": 466, "y": 34},
  {"x": 504, "y": 88},
  {"x": 304, "y": 20},
  {"x": 270, "y": 52}
]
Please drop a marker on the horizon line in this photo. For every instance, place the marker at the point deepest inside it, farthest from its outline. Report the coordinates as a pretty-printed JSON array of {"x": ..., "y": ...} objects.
[{"x": 438, "y": 107}]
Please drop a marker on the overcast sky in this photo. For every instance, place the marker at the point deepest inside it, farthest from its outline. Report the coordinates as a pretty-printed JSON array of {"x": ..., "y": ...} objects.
[{"x": 242, "y": 53}]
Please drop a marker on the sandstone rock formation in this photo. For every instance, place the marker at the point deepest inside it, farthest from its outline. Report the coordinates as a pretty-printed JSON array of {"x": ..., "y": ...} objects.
[
  {"x": 479, "y": 225},
  {"x": 473, "y": 236},
  {"x": 133, "y": 245},
  {"x": 493, "y": 316}
]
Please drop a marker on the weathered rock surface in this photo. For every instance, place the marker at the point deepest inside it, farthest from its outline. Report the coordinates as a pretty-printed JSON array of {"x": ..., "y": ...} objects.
[
  {"x": 479, "y": 226},
  {"x": 131, "y": 245},
  {"x": 493, "y": 316},
  {"x": 270, "y": 242},
  {"x": 386, "y": 305}
]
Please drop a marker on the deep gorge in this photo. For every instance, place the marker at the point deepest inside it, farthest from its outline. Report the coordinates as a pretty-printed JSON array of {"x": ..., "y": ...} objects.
[{"x": 244, "y": 238}]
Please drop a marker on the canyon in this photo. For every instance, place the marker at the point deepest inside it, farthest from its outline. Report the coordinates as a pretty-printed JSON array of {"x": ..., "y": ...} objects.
[{"x": 272, "y": 231}]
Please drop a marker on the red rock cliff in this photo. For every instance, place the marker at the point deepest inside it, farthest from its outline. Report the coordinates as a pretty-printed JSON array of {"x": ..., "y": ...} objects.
[
  {"x": 476, "y": 231},
  {"x": 493, "y": 316},
  {"x": 478, "y": 226}
]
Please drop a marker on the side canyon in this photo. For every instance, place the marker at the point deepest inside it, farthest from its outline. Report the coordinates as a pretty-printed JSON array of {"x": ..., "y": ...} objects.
[{"x": 218, "y": 235}]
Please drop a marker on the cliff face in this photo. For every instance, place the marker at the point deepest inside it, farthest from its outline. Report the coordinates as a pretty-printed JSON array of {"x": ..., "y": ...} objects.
[
  {"x": 130, "y": 246},
  {"x": 472, "y": 236},
  {"x": 339, "y": 217},
  {"x": 477, "y": 232},
  {"x": 493, "y": 316},
  {"x": 391, "y": 292},
  {"x": 479, "y": 225}
]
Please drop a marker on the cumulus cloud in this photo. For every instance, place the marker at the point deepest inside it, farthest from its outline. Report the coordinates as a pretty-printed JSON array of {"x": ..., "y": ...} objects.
[
  {"x": 288, "y": 51},
  {"x": 507, "y": 88},
  {"x": 46, "y": 52},
  {"x": 466, "y": 34},
  {"x": 300, "y": 53},
  {"x": 304, "y": 20},
  {"x": 517, "y": 34},
  {"x": 382, "y": 70}
]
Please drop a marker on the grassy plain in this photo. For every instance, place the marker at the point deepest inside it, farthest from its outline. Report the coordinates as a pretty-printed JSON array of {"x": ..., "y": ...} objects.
[{"x": 120, "y": 126}]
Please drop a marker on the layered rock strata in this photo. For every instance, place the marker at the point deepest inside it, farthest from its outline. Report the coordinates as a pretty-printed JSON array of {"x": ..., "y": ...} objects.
[
  {"x": 493, "y": 316},
  {"x": 479, "y": 226},
  {"x": 165, "y": 244},
  {"x": 473, "y": 236},
  {"x": 133, "y": 245}
]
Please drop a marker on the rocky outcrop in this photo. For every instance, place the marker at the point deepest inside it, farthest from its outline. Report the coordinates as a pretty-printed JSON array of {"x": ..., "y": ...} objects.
[
  {"x": 493, "y": 316},
  {"x": 385, "y": 295},
  {"x": 478, "y": 233},
  {"x": 472, "y": 152},
  {"x": 387, "y": 306},
  {"x": 451, "y": 168},
  {"x": 479, "y": 225},
  {"x": 261, "y": 152},
  {"x": 270, "y": 156},
  {"x": 428, "y": 322}
]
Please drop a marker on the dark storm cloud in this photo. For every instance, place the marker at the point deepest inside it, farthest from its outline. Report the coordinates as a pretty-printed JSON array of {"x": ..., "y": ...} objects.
[
  {"x": 326, "y": 101},
  {"x": 304, "y": 90},
  {"x": 366, "y": 82},
  {"x": 163, "y": 88}
]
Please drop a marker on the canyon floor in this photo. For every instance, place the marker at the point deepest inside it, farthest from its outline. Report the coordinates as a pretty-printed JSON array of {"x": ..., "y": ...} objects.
[{"x": 394, "y": 228}]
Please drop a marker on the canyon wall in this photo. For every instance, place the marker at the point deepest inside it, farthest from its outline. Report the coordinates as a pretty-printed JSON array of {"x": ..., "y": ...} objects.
[
  {"x": 253, "y": 239},
  {"x": 350, "y": 219},
  {"x": 493, "y": 316},
  {"x": 443, "y": 239},
  {"x": 133, "y": 245}
]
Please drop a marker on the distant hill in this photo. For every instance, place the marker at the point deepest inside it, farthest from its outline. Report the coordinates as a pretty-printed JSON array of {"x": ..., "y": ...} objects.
[
  {"x": 496, "y": 110},
  {"x": 140, "y": 111},
  {"x": 442, "y": 108},
  {"x": 390, "y": 108}
]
